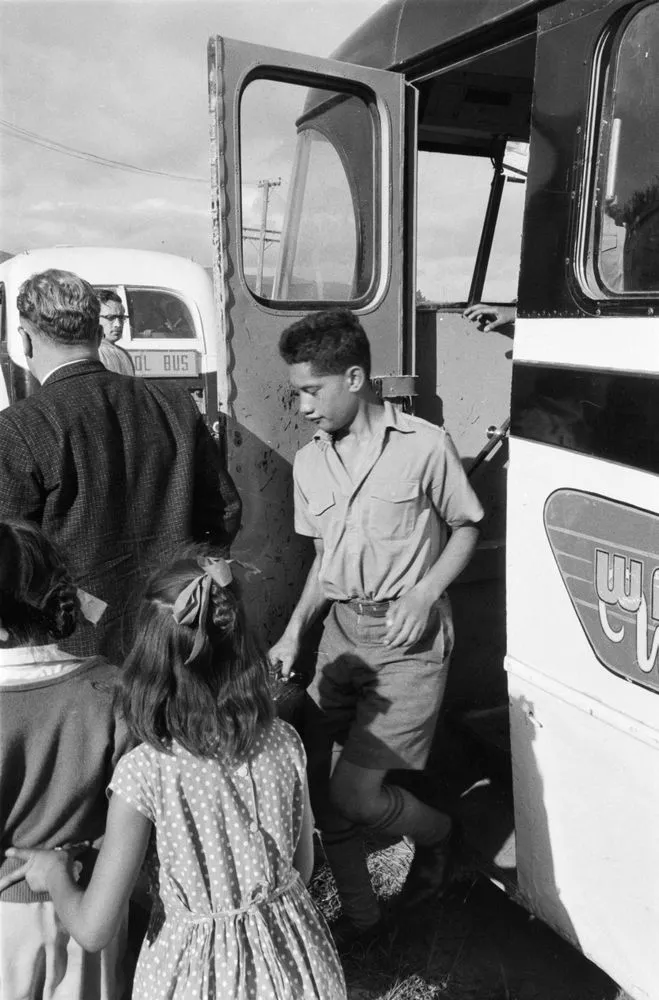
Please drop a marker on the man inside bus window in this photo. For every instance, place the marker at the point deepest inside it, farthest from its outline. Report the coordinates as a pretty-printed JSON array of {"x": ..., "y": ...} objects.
[
  {"x": 117, "y": 471},
  {"x": 393, "y": 519},
  {"x": 112, "y": 319}
]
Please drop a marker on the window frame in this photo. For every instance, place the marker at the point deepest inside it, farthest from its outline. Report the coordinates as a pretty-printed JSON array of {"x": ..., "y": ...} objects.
[
  {"x": 379, "y": 152},
  {"x": 156, "y": 342},
  {"x": 587, "y": 278}
]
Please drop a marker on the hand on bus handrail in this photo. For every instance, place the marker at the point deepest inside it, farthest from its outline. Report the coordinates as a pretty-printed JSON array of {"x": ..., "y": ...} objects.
[{"x": 490, "y": 317}]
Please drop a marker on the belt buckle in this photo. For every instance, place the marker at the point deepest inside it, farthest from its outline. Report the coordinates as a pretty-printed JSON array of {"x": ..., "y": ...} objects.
[{"x": 372, "y": 609}]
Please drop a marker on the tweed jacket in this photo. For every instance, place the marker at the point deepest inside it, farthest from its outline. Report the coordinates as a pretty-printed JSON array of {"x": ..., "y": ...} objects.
[{"x": 118, "y": 472}]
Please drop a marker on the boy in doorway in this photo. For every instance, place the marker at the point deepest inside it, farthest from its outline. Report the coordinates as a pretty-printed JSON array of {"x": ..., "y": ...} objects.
[{"x": 393, "y": 519}]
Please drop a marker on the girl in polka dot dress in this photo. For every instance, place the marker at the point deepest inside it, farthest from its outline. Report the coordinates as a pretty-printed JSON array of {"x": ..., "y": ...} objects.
[{"x": 222, "y": 783}]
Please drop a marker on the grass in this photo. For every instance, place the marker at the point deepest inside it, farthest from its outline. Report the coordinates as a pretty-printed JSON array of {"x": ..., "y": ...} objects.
[{"x": 473, "y": 944}]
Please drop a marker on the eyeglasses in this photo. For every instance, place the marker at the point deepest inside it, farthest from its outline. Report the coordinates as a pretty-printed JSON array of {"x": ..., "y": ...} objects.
[{"x": 115, "y": 318}]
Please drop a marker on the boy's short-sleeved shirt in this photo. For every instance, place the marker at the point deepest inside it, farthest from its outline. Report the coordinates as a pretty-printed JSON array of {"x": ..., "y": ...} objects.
[{"x": 383, "y": 531}]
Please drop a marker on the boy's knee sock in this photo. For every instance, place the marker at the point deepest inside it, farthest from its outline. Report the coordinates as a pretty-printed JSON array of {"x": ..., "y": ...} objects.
[
  {"x": 346, "y": 856},
  {"x": 405, "y": 815}
]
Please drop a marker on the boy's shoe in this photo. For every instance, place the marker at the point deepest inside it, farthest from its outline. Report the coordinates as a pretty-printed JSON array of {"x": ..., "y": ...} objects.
[
  {"x": 430, "y": 871},
  {"x": 346, "y": 934}
]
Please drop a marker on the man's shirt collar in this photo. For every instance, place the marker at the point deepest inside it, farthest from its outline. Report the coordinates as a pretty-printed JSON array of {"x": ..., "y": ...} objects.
[
  {"x": 392, "y": 421},
  {"x": 66, "y": 364}
]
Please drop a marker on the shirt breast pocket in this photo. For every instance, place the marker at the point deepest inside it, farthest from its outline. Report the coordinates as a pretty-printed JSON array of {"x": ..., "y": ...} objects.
[
  {"x": 323, "y": 509},
  {"x": 394, "y": 508}
]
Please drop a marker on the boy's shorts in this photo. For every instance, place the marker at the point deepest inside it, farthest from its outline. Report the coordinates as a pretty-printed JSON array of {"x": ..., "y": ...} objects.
[{"x": 380, "y": 703}]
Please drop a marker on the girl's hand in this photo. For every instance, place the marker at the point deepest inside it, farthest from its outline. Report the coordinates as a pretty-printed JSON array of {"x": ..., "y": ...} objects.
[{"x": 38, "y": 867}]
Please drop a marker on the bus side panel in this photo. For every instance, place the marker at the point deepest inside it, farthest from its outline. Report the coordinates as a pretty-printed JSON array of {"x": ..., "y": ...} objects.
[
  {"x": 586, "y": 817},
  {"x": 585, "y": 742}
]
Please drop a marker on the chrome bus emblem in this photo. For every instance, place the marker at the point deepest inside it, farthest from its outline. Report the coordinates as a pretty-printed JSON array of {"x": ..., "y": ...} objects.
[{"x": 608, "y": 556}]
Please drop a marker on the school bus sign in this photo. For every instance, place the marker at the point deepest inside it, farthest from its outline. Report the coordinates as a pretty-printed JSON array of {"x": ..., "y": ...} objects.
[{"x": 608, "y": 557}]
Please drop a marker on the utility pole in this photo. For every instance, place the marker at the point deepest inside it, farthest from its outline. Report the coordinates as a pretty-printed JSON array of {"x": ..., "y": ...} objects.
[{"x": 265, "y": 186}]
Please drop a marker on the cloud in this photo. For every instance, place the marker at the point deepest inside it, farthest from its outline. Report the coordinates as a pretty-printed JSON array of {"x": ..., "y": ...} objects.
[
  {"x": 128, "y": 81},
  {"x": 168, "y": 207}
]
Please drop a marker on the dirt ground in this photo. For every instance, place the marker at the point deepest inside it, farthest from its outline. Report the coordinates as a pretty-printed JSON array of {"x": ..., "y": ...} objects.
[{"x": 474, "y": 944}]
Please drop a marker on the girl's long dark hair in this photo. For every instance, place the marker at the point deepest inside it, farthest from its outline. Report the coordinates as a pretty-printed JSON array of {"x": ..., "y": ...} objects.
[
  {"x": 38, "y": 601},
  {"x": 214, "y": 705}
]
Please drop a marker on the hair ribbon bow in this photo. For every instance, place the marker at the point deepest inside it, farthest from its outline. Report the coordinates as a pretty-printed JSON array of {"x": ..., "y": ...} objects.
[{"x": 191, "y": 605}]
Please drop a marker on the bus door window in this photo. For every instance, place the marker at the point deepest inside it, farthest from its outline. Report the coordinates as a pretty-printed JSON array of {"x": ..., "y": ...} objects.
[
  {"x": 308, "y": 176},
  {"x": 453, "y": 194},
  {"x": 622, "y": 253}
]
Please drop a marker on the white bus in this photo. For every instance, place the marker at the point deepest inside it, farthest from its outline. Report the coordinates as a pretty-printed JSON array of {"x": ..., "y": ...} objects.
[
  {"x": 170, "y": 331},
  {"x": 379, "y": 155}
]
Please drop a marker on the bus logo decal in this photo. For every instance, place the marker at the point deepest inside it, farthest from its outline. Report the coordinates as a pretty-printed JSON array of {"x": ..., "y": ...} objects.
[{"x": 608, "y": 556}]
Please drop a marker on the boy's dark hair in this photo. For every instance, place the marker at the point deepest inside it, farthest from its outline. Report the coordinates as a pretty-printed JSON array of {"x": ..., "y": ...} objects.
[
  {"x": 216, "y": 703},
  {"x": 38, "y": 601},
  {"x": 329, "y": 341}
]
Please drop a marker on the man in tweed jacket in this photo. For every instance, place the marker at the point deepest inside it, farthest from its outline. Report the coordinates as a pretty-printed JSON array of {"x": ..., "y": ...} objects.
[{"x": 118, "y": 471}]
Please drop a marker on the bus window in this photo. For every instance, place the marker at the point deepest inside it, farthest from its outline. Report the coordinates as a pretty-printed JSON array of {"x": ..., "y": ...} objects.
[
  {"x": 308, "y": 189},
  {"x": 502, "y": 273},
  {"x": 452, "y": 197},
  {"x": 623, "y": 246},
  {"x": 158, "y": 314},
  {"x": 453, "y": 192}
]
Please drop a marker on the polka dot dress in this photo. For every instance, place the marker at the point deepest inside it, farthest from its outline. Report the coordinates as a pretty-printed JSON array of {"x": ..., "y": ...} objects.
[{"x": 232, "y": 918}]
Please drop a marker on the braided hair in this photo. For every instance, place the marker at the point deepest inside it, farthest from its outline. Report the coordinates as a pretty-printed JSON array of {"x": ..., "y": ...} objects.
[
  {"x": 213, "y": 703},
  {"x": 38, "y": 601}
]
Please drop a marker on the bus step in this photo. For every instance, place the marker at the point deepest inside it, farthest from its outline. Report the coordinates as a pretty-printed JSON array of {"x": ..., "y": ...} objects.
[{"x": 489, "y": 727}]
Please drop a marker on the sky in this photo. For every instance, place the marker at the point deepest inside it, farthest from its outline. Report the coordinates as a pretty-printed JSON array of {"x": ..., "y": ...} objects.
[{"x": 126, "y": 81}]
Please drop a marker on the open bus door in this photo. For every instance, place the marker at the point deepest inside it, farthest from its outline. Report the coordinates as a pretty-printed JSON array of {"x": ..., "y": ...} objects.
[{"x": 310, "y": 213}]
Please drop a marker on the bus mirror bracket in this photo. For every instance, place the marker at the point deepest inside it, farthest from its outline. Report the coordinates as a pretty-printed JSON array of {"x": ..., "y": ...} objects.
[{"x": 394, "y": 386}]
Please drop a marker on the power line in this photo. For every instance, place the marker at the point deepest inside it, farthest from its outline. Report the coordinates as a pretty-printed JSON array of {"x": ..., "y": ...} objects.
[{"x": 40, "y": 140}]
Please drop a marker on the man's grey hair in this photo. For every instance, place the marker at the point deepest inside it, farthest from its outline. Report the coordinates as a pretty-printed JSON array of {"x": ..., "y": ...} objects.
[{"x": 62, "y": 306}]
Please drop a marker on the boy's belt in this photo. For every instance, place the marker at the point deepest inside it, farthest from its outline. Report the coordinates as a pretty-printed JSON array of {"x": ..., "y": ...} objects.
[{"x": 374, "y": 609}]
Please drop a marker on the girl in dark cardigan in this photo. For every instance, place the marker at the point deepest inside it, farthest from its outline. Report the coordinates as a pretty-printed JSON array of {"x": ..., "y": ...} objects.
[{"x": 59, "y": 742}]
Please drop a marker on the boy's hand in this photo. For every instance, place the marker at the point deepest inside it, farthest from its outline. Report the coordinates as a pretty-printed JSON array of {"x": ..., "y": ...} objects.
[
  {"x": 284, "y": 654},
  {"x": 39, "y": 865},
  {"x": 408, "y": 618}
]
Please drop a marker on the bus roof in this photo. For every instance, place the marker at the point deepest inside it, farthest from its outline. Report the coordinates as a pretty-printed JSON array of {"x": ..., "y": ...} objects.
[
  {"x": 111, "y": 266},
  {"x": 403, "y": 32}
]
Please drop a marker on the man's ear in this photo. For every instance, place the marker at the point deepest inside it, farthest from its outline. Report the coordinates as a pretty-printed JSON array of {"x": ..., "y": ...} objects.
[
  {"x": 27, "y": 342},
  {"x": 356, "y": 378},
  {"x": 99, "y": 336}
]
